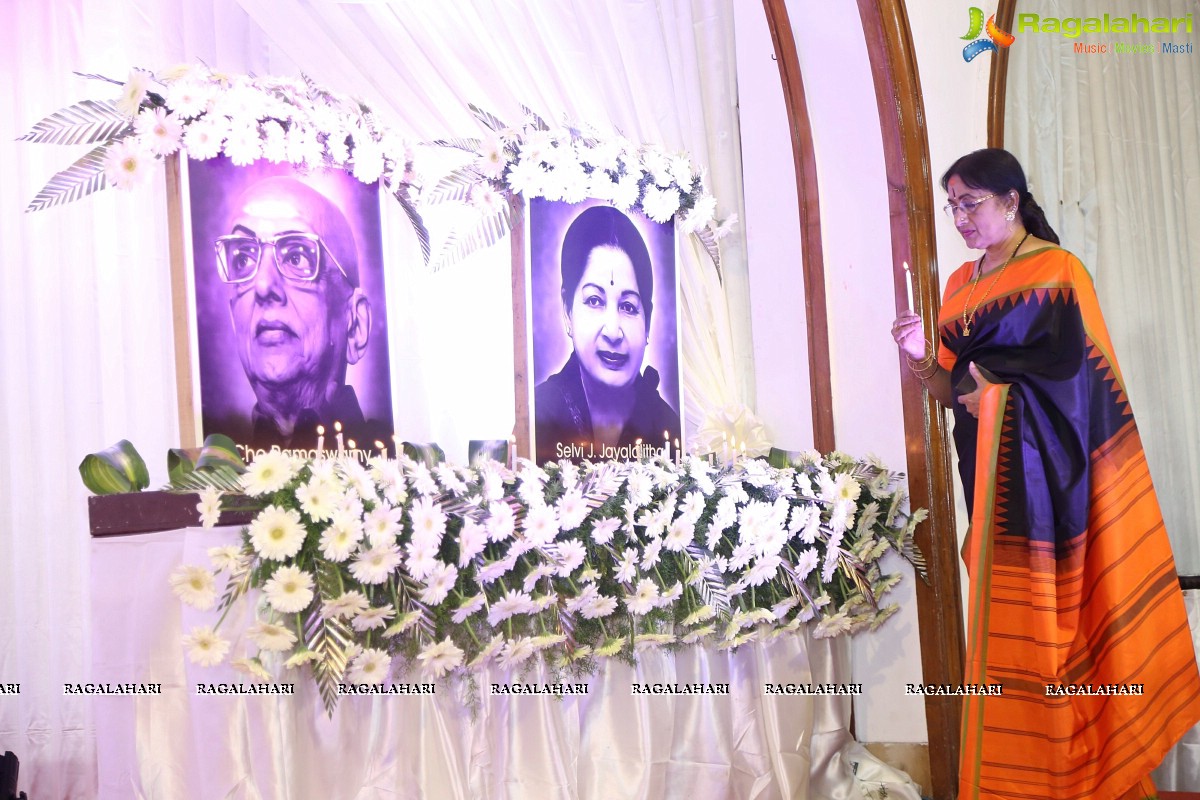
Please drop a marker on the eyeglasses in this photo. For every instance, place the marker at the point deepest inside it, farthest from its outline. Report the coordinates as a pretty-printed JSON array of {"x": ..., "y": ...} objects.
[
  {"x": 297, "y": 255},
  {"x": 968, "y": 207}
]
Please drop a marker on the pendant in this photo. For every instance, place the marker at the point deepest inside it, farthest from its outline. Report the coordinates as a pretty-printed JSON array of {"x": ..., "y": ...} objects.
[{"x": 966, "y": 329}]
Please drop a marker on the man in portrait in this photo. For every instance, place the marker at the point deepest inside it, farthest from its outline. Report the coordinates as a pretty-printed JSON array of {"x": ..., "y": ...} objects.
[{"x": 288, "y": 264}]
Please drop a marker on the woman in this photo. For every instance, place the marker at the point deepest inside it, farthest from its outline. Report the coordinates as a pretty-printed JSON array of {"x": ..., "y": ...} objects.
[
  {"x": 1072, "y": 579},
  {"x": 601, "y": 403}
]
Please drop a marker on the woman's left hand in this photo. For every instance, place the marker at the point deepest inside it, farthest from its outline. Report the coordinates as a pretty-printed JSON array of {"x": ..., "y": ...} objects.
[{"x": 971, "y": 399}]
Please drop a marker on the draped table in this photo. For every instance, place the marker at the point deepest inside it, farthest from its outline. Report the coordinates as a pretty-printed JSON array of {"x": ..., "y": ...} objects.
[{"x": 461, "y": 741}]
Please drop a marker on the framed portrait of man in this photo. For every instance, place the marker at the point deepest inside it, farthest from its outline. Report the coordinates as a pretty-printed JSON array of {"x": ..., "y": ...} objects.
[
  {"x": 290, "y": 320},
  {"x": 603, "y": 332}
]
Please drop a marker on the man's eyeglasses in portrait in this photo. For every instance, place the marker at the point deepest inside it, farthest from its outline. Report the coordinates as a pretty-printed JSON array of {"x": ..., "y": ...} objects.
[
  {"x": 297, "y": 255},
  {"x": 968, "y": 207}
]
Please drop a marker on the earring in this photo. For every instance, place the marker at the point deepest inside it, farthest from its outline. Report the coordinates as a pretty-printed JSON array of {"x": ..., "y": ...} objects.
[{"x": 1011, "y": 215}]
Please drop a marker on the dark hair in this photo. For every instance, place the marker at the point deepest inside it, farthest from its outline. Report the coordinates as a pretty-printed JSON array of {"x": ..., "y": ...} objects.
[
  {"x": 605, "y": 226},
  {"x": 995, "y": 170}
]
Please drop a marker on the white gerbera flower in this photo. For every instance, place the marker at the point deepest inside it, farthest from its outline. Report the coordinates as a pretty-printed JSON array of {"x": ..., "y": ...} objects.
[
  {"x": 541, "y": 525},
  {"x": 511, "y": 604},
  {"x": 133, "y": 92},
  {"x": 383, "y": 524},
  {"x": 252, "y": 667},
  {"x": 369, "y": 666},
  {"x": 268, "y": 473},
  {"x": 318, "y": 498},
  {"x": 159, "y": 131},
  {"x": 205, "y": 647},
  {"x": 376, "y": 564},
  {"x": 679, "y": 535},
  {"x": 203, "y": 138},
  {"x": 611, "y": 647},
  {"x": 572, "y": 510},
  {"x": 341, "y": 537},
  {"x": 501, "y": 523},
  {"x": 571, "y": 554},
  {"x": 644, "y": 597},
  {"x": 301, "y": 658},
  {"x": 127, "y": 163},
  {"x": 806, "y": 563},
  {"x": 698, "y": 634},
  {"x": 194, "y": 586},
  {"x": 602, "y": 531},
  {"x": 467, "y": 608},
  {"x": 227, "y": 558},
  {"x": 628, "y": 566},
  {"x": 428, "y": 521},
  {"x": 243, "y": 145},
  {"x": 373, "y": 618},
  {"x": 271, "y": 637},
  {"x": 209, "y": 506},
  {"x": 440, "y": 657},
  {"x": 439, "y": 583},
  {"x": 515, "y": 651},
  {"x": 472, "y": 540},
  {"x": 289, "y": 590},
  {"x": 598, "y": 607},
  {"x": 276, "y": 533},
  {"x": 349, "y": 604},
  {"x": 701, "y": 614},
  {"x": 188, "y": 98}
]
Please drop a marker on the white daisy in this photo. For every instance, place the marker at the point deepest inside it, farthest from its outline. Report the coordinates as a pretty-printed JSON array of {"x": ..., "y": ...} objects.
[
  {"x": 489, "y": 650},
  {"x": 318, "y": 499},
  {"x": 127, "y": 163},
  {"x": 515, "y": 651},
  {"x": 701, "y": 614},
  {"x": 276, "y": 533},
  {"x": 159, "y": 130},
  {"x": 440, "y": 658},
  {"x": 501, "y": 522},
  {"x": 420, "y": 559},
  {"x": 341, "y": 537},
  {"x": 133, "y": 92},
  {"x": 541, "y": 525},
  {"x": 205, "y": 647},
  {"x": 203, "y": 138},
  {"x": 349, "y": 604},
  {"x": 227, "y": 558},
  {"x": 252, "y": 667},
  {"x": 602, "y": 531},
  {"x": 289, "y": 590},
  {"x": 268, "y": 473},
  {"x": 598, "y": 607},
  {"x": 376, "y": 564},
  {"x": 806, "y": 563},
  {"x": 570, "y": 555},
  {"x": 301, "y": 658},
  {"x": 439, "y": 583},
  {"x": 628, "y": 566},
  {"x": 512, "y": 603},
  {"x": 383, "y": 524},
  {"x": 271, "y": 637},
  {"x": 373, "y": 618},
  {"x": 428, "y": 521},
  {"x": 467, "y": 607},
  {"x": 679, "y": 535},
  {"x": 369, "y": 666},
  {"x": 209, "y": 506},
  {"x": 195, "y": 586},
  {"x": 492, "y": 159},
  {"x": 644, "y": 597},
  {"x": 572, "y": 510},
  {"x": 472, "y": 540}
]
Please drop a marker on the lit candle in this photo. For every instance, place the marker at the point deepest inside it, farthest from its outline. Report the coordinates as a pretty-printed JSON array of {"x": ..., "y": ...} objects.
[
  {"x": 382, "y": 448},
  {"x": 320, "y": 439},
  {"x": 350, "y": 445},
  {"x": 337, "y": 426},
  {"x": 678, "y": 453},
  {"x": 396, "y": 445},
  {"x": 667, "y": 445},
  {"x": 908, "y": 285}
]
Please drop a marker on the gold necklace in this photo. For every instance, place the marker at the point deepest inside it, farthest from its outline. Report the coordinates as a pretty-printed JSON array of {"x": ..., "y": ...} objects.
[{"x": 969, "y": 318}]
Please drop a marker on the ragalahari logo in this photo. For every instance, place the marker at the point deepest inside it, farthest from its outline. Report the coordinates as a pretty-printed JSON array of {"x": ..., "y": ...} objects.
[{"x": 996, "y": 37}]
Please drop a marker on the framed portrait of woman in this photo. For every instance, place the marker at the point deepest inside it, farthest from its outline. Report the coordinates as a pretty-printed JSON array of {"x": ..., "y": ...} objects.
[
  {"x": 288, "y": 321},
  {"x": 603, "y": 332}
]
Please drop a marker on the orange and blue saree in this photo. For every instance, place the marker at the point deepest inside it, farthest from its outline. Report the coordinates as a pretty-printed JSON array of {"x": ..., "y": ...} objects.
[{"x": 1074, "y": 606}]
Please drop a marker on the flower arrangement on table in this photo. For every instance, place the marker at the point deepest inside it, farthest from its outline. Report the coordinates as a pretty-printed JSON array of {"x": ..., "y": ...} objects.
[
  {"x": 448, "y": 569},
  {"x": 571, "y": 164}
]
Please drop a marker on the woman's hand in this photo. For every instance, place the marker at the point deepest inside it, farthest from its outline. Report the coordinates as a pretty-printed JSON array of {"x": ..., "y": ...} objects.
[
  {"x": 971, "y": 400},
  {"x": 910, "y": 335}
]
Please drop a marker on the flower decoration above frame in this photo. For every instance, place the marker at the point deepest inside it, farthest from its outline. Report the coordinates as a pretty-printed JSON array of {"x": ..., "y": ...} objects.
[
  {"x": 446, "y": 570},
  {"x": 205, "y": 113},
  {"x": 571, "y": 164}
]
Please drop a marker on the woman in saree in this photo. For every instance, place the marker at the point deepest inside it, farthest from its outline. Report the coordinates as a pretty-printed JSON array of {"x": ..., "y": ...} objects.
[{"x": 1074, "y": 605}]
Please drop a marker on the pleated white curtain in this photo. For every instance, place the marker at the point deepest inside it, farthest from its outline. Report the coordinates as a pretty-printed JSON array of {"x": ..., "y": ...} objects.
[
  {"x": 1111, "y": 143},
  {"x": 85, "y": 313}
]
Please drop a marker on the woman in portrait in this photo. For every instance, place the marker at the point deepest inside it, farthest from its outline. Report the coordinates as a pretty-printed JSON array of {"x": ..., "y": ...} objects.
[
  {"x": 602, "y": 397},
  {"x": 1073, "y": 583}
]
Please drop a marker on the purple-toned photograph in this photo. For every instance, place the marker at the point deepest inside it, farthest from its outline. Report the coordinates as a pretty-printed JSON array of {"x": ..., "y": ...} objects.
[
  {"x": 291, "y": 320},
  {"x": 604, "y": 332}
]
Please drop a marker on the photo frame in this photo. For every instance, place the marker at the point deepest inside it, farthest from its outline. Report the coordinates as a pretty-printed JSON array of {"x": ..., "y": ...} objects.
[
  {"x": 280, "y": 307},
  {"x": 604, "y": 356}
]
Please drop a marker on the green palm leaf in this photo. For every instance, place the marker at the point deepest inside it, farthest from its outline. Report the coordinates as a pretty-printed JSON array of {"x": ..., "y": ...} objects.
[
  {"x": 486, "y": 118},
  {"x": 80, "y": 179},
  {"x": 458, "y": 143},
  {"x": 329, "y": 638},
  {"x": 455, "y": 187},
  {"x": 709, "y": 239},
  {"x": 418, "y": 223},
  {"x": 85, "y": 122},
  {"x": 115, "y": 470}
]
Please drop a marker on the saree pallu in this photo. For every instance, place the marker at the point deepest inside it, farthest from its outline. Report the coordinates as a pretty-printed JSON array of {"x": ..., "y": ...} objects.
[{"x": 1074, "y": 608}]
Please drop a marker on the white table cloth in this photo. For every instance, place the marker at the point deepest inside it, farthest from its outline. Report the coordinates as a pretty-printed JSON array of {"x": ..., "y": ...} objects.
[{"x": 606, "y": 744}]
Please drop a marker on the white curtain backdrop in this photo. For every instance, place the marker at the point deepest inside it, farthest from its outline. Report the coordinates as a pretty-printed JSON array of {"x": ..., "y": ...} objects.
[
  {"x": 86, "y": 356},
  {"x": 1111, "y": 144}
]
